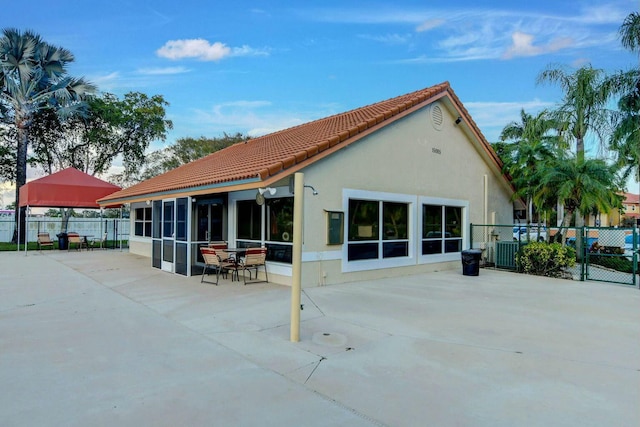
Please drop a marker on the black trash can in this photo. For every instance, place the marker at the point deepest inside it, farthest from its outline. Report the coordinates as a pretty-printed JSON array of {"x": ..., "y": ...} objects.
[
  {"x": 63, "y": 241},
  {"x": 471, "y": 262}
]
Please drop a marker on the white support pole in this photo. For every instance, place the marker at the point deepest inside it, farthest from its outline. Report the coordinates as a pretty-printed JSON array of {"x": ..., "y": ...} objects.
[
  {"x": 18, "y": 227},
  {"x": 26, "y": 230},
  {"x": 296, "y": 286}
]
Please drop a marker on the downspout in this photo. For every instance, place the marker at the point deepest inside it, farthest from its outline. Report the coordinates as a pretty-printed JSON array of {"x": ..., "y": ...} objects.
[
  {"x": 486, "y": 199},
  {"x": 485, "y": 218}
]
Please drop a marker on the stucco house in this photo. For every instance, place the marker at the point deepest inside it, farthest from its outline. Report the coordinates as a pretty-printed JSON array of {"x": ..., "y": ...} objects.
[{"x": 398, "y": 184}]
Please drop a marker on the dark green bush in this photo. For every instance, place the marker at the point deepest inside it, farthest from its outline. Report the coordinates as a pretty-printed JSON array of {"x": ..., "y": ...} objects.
[
  {"x": 617, "y": 263},
  {"x": 545, "y": 259}
]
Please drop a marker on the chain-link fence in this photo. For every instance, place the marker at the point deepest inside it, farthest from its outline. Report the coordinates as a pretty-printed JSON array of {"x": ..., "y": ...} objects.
[{"x": 602, "y": 253}]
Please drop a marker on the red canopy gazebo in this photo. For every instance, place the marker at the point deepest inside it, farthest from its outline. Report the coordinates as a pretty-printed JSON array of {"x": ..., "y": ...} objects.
[{"x": 68, "y": 188}]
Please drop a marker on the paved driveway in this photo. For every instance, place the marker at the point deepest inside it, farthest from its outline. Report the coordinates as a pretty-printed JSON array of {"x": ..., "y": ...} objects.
[{"x": 100, "y": 338}]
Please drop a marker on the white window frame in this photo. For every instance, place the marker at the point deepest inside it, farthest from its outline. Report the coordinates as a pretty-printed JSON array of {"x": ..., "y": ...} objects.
[
  {"x": 380, "y": 263},
  {"x": 438, "y": 201}
]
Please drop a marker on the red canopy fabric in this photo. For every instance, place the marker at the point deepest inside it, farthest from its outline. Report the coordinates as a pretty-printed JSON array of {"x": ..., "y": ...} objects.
[{"x": 69, "y": 188}]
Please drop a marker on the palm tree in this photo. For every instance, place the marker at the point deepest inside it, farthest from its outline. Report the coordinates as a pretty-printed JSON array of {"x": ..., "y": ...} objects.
[
  {"x": 630, "y": 32},
  {"x": 33, "y": 77},
  {"x": 626, "y": 136},
  {"x": 581, "y": 185},
  {"x": 583, "y": 107},
  {"x": 533, "y": 144}
]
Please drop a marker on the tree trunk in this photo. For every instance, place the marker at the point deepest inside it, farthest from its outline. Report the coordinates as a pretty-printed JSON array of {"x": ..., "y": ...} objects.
[
  {"x": 580, "y": 149},
  {"x": 579, "y": 239},
  {"x": 566, "y": 221},
  {"x": 21, "y": 179}
]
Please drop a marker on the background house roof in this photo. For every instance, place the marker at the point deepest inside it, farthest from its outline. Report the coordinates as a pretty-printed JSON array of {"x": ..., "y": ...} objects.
[
  {"x": 268, "y": 156},
  {"x": 631, "y": 199}
]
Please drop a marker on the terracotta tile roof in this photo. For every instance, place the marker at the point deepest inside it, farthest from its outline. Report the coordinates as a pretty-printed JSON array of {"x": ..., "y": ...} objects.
[
  {"x": 269, "y": 155},
  {"x": 632, "y": 199}
]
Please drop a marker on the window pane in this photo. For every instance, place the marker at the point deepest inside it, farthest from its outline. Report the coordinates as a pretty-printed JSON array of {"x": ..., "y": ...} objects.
[
  {"x": 453, "y": 245},
  {"x": 363, "y": 251},
  {"x": 395, "y": 249},
  {"x": 280, "y": 220},
  {"x": 363, "y": 220},
  {"x": 167, "y": 220},
  {"x": 139, "y": 228},
  {"x": 430, "y": 247},
  {"x": 249, "y": 214},
  {"x": 396, "y": 220},
  {"x": 181, "y": 218},
  {"x": 431, "y": 221},
  {"x": 157, "y": 214},
  {"x": 147, "y": 214},
  {"x": 453, "y": 222},
  {"x": 279, "y": 253},
  {"x": 139, "y": 214}
]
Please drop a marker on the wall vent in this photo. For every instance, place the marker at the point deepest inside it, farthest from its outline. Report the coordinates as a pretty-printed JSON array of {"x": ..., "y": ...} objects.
[{"x": 437, "y": 117}]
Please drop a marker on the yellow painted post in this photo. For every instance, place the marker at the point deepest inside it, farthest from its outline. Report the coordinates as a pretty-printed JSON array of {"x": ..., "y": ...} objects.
[{"x": 296, "y": 286}]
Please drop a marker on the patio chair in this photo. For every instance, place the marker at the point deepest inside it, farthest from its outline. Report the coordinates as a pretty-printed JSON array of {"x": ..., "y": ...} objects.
[
  {"x": 44, "y": 240},
  {"x": 213, "y": 263},
  {"x": 254, "y": 259},
  {"x": 75, "y": 239},
  {"x": 99, "y": 242},
  {"x": 218, "y": 244}
]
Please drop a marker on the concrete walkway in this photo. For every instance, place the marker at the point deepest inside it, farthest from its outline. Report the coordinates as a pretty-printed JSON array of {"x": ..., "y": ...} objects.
[{"x": 102, "y": 339}]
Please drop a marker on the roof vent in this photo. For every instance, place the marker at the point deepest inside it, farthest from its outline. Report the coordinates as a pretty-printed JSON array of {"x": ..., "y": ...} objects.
[{"x": 437, "y": 117}]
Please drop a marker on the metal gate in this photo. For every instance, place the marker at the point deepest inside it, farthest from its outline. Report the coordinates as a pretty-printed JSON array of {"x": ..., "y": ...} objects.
[
  {"x": 607, "y": 254},
  {"x": 611, "y": 255}
]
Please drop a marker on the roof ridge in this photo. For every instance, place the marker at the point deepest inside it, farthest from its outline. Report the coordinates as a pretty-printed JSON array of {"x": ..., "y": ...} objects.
[{"x": 440, "y": 86}]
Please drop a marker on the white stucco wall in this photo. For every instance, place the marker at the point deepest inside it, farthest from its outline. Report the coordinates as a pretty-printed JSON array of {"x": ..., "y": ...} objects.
[{"x": 408, "y": 160}]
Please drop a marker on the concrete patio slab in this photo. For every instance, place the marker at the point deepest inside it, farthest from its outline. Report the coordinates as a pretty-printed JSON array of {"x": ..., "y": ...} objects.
[{"x": 101, "y": 338}]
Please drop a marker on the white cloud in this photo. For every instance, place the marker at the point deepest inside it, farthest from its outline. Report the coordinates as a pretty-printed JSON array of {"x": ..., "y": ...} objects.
[
  {"x": 106, "y": 82},
  {"x": 163, "y": 71},
  {"x": 203, "y": 50},
  {"x": 391, "y": 39},
  {"x": 254, "y": 118},
  {"x": 602, "y": 14},
  {"x": 429, "y": 24},
  {"x": 194, "y": 48},
  {"x": 492, "y": 117},
  {"x": 523, "y": 45},
  {"x": 464, "y": 34}
]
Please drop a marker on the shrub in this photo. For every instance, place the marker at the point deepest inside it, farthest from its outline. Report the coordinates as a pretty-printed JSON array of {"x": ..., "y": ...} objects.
[
  {"x": 545, "y": 259},
  {"x": 613, "y": 262}
]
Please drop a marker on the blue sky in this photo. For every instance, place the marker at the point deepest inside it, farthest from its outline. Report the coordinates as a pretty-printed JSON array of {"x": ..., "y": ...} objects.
[{"x": 259, "y": 66}]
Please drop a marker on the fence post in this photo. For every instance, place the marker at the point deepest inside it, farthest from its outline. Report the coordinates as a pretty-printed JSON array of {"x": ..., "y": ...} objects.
[
  {"x": 634, "y": 258},
  {"x": 583, "y": 254}
]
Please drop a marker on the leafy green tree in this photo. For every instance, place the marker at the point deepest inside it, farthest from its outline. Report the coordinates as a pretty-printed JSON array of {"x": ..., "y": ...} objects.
[
  {"x": 33, "y": 77},
  {"x": 188, "y": 149},
  {"x": 581, "y": 185},
  {"x": 7, "y": 153},
  {"x": 112, "y": 127},
  {"x": 53, "y": 213},
  {"x": 184, "y": 150}
]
